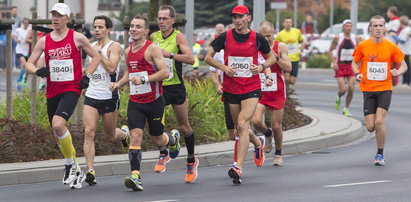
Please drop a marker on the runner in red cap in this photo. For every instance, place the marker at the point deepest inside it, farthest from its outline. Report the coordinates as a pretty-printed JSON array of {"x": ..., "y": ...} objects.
[{"x": 241, "y": 85}]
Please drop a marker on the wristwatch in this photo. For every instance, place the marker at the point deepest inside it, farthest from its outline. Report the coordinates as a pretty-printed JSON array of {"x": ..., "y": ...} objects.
[
  {"x": 143, "y": 79},
  {"x": 264, "y": 66},
  {"x": 277, "y": 58},
  {"x": 269, "y": 77},
  {"x": 171, "y": 55}
]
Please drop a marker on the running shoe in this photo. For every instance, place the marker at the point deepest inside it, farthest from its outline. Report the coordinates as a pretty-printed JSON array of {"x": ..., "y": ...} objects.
[
  {"x": 80, "y": 177},
  {"x": 268, "y": 144},
  {"x": 134, "y": 182},
  {"x": 125, "y": 143},
  {"x": 161, "y": 163},
  {"x": 235, "y": 174},
  {"x": 346, "y": 112},
  {"x": 337, "y": 103},
  {"x": 192, "y": 173},
  {"x": 91, "y": 177},
  {"x": 259, "y": 157},
  {"x": 278, "y": 160},
  {"x": 69, "y": 173},
  {"x": 379, "y": 160},
  {"x": 175, "y": 149}
]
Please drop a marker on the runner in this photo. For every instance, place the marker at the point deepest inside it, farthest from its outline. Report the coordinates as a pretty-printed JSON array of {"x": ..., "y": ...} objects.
[
  {"x": 64, "y": 82},
  {"x": 344, "y": 44},
  {"x": 273, "y": 97},
  {"x": 175, "y": 52},
  {"x": 145, "y": 71},
  {"x": 216, "y": 76},
  {"x": 241, "y": 84},
  {"x": 372, "y": 62},
  {"x": 99, "y": 99},
  {"x": 22, "y": 51},
  {"x": 292, "y": 37}
]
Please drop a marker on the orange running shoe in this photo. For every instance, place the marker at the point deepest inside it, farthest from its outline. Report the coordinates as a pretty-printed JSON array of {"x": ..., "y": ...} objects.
[
  {"x": 192, "y": 172},
  {"x": 259, "y": 157},
  {"x": 235, "y": 173},
  {"x": 161, "y": 163}
]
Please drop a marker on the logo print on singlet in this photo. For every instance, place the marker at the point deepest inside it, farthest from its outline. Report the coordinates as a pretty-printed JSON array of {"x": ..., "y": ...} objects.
[
  {"x": 372, "y": 57},
  {"x": 61, "y": 52},
  {"x": 133, "y": 64}
]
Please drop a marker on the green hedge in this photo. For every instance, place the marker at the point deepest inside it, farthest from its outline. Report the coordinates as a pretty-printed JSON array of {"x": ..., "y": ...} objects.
[{"x": 319, "y": 61}]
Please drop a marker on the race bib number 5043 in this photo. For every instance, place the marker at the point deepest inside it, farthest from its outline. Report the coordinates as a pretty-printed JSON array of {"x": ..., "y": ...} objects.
[
  {"x": 377, "y": 71},
  {"x": 61, "y": 70}
]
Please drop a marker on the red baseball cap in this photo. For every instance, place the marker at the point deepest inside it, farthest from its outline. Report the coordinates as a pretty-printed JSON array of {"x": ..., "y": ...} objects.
[{"x": 240, "y": 9}]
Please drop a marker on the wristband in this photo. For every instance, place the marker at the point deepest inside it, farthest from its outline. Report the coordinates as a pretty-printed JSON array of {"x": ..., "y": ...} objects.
[
  {"x": 356, "y": 74},
  {"x": 264, "y": 66}
]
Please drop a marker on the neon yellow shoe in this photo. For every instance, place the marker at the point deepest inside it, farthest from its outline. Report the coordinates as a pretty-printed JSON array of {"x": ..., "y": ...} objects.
[
  {"x": 346, "y": 112},
  {"x": 134, "y": 182},
  {"x": 126, "y": 142},
  {"x": 337, "y": 104}
]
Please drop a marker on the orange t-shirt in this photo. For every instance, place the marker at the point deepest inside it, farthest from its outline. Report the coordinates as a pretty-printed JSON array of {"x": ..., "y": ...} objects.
[{"x": 376, "y": 62}]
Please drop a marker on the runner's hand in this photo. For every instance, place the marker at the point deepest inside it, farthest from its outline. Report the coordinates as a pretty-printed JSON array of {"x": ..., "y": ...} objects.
[
  {"x": 268, "y": 82},
  {"x": 394, "y": 72},
  {"x": 358, "y": 77},
  {"x": 42, "y": 72},
  {"x": 255, "y": 69},
  {"x": 113, "y": 86},
  {"x": 220, "y": 90},
  {"x": 335, "y": 66},
  {"x": 230, "y": 71},
  {"x": 84, "y": 82}
]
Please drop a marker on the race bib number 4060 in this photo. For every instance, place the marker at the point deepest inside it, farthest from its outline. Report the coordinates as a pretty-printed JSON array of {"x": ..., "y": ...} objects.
[
  {"x": 377, "y": 71},
  {"x": 242, "y": 65},
  {"x": 61, "y": 70}
]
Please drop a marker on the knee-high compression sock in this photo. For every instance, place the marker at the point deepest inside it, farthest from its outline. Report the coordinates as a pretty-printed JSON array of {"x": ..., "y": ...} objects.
[
  {"x": 268, "y": 132},
  {"x": 189, "y": 140},
  {"x": 380, "y": 151},
  {"x": 134, "y": 155},
  {"x": 66, "y": 147}
]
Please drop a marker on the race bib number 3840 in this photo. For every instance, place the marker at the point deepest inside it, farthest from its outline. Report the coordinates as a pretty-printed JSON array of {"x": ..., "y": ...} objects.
[
  {"x": 61, "y": 70},
  {"x": 242, "y": 65}
]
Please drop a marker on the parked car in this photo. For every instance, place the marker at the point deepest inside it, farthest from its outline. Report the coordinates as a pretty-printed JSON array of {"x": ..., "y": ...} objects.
[{"x": 323, "y": 43}]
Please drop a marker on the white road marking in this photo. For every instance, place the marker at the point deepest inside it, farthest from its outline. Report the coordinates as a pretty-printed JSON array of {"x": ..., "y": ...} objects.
[
  {"x": 357, "y": 183},
  {"x": 170, "y": 200}
]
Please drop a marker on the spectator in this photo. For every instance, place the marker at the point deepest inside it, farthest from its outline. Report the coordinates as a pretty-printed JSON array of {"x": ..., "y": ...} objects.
[
  {"x": 309, "y": 26},
  {"x": 394, "y": 24},
  {"x": 22, "y": 51},
  {"x": 404, "y": 43},
  {"x": 17, "y": 24}
]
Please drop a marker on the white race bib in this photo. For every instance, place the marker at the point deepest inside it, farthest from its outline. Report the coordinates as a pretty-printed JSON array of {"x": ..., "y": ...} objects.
[
  {"x": 242, "y": 65},
  {"x": 346, "y": 54},
  {"x": 377, "y": 71},
  {"x": 268, "y": 88},
  {"x": 139, "y": 89},
  {"x": 169, "y": 63},
  {"x": 99, "y": 78},
  {"x": 292, "y": 48},
  {"x": 61, "y": 70}
]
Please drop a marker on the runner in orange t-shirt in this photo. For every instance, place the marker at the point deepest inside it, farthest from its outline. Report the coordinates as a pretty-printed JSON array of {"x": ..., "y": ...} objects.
[{"x": 372, "y": 60}]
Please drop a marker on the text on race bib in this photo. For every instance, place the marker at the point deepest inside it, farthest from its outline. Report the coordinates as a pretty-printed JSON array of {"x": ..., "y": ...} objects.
[
  {"x": 242, "y": 65},
  {"x": 98, "y": 78},
  {"x": 268, "y": 88},
  {"x": 169, "y": 63},
  {"x": 346, "y": 54},
  {"x": 139, "y": 89},
  {"x": 377, "y": 71},
  {"x": 61, "y": 70},
  {"x": 292, "y": 48}
]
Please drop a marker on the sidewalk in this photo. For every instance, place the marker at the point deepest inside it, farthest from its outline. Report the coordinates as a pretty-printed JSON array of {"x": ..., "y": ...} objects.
[{"x": 326, "y": 130}]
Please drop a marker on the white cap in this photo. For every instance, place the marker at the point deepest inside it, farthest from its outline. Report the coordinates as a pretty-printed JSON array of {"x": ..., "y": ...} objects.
[
  {"x": 346, "y": 21},
  {"x": 61, "y": 8}
]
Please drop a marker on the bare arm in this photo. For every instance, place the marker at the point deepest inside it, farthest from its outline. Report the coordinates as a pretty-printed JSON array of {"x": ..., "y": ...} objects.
[
  {"x": 28, "y": 36},
  {"x": 34, "y": 57},
  {"x": 82, "y": 42},
  {"x": 186, "y": 55},
  {"x": 157, "y": 58},
  {"x": 403, "y": 68},
  {"x": 356, "y": 70},
  {"x": 330, "y": 52},
  {"x": 216, "y": 80},
  {"x": 209, "y": 59},
  {"x": 124, "y": 79},
  {"x": 284, "y": 61},
  {"x": 114, "y": 54}
]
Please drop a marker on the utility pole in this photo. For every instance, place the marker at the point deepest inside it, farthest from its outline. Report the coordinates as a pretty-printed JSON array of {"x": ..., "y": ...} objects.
[
  {"x": 354, "y": 15},
  {"x": 295, "y": 13},
  {"x": 258, "y": 13},
  {"x": 189, "y": 27},
  {"x": 331, "y": 15}
]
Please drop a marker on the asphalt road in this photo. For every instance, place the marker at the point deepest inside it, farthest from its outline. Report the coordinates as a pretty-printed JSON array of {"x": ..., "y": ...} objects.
[{"x": 336, "y": 174}]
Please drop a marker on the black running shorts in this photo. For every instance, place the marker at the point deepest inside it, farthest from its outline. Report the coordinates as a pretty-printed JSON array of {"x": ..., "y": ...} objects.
[
  {"x": 294, "y": 69},
  {"x": 237, "y": 98},
  {"x": 174, "y": 94},
  {"x": 374, "y": 100},
  {"x": 62, "y": 105},
  {"x": 153, "y": 112},
  {"x": 228, "y": 119},
  {"x": 103, "y": 106}
]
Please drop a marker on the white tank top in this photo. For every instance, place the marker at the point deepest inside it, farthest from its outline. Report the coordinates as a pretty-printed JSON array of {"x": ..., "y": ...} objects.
[{"x": 100, "y": 81}]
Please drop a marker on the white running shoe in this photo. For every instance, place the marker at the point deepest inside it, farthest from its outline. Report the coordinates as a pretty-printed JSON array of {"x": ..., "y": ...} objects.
[
  {"x": 69, "y": 174},
  {"x": 80, "y": 177}
]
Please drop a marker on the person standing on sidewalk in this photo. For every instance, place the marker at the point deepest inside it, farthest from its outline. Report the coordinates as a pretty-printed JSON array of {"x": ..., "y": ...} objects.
[
  {"x": 175, "y": 52},
  {"x": 273, "y": 97},
  {"x": 99, "y": 99},
  {"x": 404, "y": 43},
  {"x": 372, "y": 62},
  {"x": 292, "y": 37},
  {"x": 241, "y": 85},
  {"x": 65, "y": 80},
  {"x": 145, "y": 71},
  {"x": 343, "y": 44}
]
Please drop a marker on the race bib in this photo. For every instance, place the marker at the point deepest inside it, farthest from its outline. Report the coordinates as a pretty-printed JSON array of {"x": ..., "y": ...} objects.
[
  {"x": 377, "y": 71},
  {"x": 61, "y": 70},
  {"x": 169, "y": 63},
  {"x": 292, "y": 48},
  {"x": 346, "y": 54},
  {"x": 242, "y": 65},
  {"x": 99, "y": 78},
  {"x": 268, "y": 88},
  {"x": 139, "y": 89}
]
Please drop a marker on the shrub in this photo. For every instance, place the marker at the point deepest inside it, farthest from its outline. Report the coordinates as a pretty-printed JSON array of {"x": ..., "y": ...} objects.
[{"x": 319, "y": 61}]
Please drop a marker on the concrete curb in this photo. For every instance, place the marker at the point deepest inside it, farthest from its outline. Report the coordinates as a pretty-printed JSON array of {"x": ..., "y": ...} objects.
[{"x": 315, "y": 136}]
